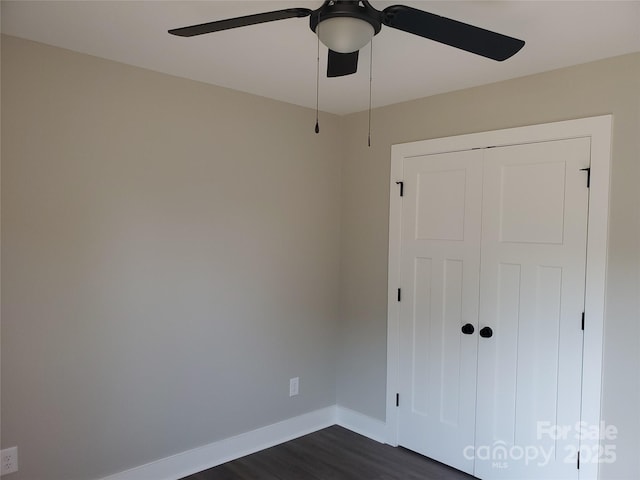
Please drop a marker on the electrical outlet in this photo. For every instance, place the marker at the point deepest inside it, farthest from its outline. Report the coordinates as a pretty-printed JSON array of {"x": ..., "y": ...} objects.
[
  {"x": 294, "y": 383},
  {"x": 9, "y": 457}
]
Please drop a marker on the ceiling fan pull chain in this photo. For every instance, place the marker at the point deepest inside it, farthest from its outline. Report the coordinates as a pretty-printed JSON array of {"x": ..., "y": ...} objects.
[
  {"x": 318, "y": 85},
  {"x": 370, "y": 83}
]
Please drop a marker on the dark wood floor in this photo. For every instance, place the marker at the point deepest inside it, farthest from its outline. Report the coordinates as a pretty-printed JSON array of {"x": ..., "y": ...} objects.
[{"x": 332, "y": 454}]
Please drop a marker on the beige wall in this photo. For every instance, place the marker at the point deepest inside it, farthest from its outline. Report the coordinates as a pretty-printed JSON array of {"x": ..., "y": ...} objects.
[
  {"x": 170, "y": 256},
  {"x": 609, "y": 86}
]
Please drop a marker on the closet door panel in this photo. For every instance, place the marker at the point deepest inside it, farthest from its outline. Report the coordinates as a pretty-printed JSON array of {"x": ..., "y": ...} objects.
[
  {"x": 534, "y": 219},
  {"x": 440, "y": 272}
]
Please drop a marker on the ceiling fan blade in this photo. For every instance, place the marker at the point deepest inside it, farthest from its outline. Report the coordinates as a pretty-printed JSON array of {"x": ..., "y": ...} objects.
[
  {"x": 341, "y": 64},
  {"x": 228, "y": 23},
  {"x": 451, "y": 32}
]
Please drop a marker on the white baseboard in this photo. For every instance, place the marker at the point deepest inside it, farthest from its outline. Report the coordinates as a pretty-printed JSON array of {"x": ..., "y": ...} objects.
[
  {"x": 217, "y": 453},
  {"x": 363, "y": 424}
]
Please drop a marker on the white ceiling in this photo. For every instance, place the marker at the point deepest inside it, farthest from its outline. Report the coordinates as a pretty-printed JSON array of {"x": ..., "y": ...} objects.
[{"x": 278, "y": 59}]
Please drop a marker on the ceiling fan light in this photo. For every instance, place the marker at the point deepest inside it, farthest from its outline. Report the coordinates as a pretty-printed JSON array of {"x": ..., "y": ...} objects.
[{"x": 345, "y": 34}]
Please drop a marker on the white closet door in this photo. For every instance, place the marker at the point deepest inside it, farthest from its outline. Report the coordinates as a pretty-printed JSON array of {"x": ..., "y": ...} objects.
[
  {"x": 534, "y": 224},
  {"x": 440, "y": 273},
  {"x": 494, "y": 238}
]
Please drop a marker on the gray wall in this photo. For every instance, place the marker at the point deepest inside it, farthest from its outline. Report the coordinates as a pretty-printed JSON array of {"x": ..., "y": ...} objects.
[
  {"x": 609, "y": 86},
  {"x": 173, "y": 252},
  {"x": 170, "y": 258}
]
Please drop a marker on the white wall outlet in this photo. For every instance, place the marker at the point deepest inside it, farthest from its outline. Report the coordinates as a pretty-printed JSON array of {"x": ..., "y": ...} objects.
[
  {"x": 294, "y": 383},
  {"x": 9, "y": 457}
]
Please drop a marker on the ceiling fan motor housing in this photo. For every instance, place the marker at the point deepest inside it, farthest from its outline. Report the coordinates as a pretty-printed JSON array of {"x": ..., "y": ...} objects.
[{"x": 350, "y": 9}]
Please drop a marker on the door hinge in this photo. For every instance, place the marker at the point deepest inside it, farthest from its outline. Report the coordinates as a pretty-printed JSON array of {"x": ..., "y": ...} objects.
[
  {"x": 401, "y": 188},
  {"x": 578, "y": 466},
  {"x": 582, "y": 320},
  {"x": 399, "y": 294},
  {"x": 397, "y": 399},
  {"x": 588, "y": 170}
]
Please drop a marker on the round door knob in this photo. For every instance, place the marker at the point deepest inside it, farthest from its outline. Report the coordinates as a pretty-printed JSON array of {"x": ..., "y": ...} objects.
[
  {"x": 468, "y": 329},
  {"x": 486, "y": 332}
]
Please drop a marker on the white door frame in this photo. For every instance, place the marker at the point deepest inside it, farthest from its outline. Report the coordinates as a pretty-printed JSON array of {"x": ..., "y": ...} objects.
[{"x": 598, "y": 129}]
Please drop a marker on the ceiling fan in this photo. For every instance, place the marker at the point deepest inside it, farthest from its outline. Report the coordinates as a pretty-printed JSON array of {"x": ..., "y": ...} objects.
[{"x": 346, "y": 26}]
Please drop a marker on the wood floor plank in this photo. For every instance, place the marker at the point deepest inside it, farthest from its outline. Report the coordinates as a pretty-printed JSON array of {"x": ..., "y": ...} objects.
[{"x": 334, "y": 453}]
